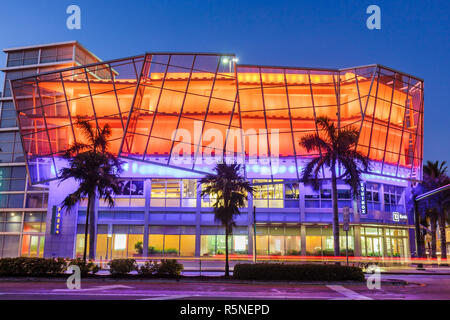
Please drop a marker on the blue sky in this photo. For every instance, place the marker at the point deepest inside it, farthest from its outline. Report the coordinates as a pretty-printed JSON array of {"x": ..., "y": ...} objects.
[{"x": 414, "y": 37}]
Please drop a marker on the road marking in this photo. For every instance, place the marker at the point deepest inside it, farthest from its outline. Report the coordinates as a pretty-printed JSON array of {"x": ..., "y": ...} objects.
[
  {"x": 167, "y": 297},
  {"x": 145, "y": 295},
  {"x": 348, "y": 293},
  {"x": 118, "y": 286},
  {"x": 276, "y": 291}
]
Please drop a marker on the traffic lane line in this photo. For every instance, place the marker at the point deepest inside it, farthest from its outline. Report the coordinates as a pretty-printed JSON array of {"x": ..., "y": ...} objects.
[
  {"x": 348, "y": 293},
  {"x": 320, "y": 295}
]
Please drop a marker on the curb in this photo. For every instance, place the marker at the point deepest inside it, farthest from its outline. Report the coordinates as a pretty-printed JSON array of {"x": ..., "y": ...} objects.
[
  {"x": 418, "y": 273},
  {"x": 204, "y": 280}
]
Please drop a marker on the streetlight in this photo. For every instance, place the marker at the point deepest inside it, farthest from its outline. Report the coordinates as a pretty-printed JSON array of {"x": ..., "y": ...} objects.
[{"x": 229, "y": 60}]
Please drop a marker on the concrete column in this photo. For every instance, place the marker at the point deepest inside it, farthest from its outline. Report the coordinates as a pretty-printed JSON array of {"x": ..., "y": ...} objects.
[
  {"x": 301, "y": 190},
  {"x": 357, "y": 237},
  {"x": 198, "y": 221},
  {"x": 303, "y": 239},
  {"x": 250, "y": 221},
  {"x": 96, "y": 207},
  {"x": 356, "y": 215},
  {"x": 64, "y": 243},
  {"x": 148, "y": 195}
]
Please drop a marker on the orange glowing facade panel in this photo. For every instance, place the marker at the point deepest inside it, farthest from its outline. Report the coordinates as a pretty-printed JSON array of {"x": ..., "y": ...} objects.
[{"x": 177, "y": 109}]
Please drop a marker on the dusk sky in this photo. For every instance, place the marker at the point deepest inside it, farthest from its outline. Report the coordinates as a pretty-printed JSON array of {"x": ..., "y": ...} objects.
[{"x": 414, "y": 37}]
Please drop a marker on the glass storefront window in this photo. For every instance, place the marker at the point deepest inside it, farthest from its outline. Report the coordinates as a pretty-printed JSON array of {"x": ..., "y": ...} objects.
[
  {"x": 396, "y": 242},
  {"x": 187, "y": 245},
  {"x": 155, "y": 244},
  {"x": 32, "y": 246},
  {"x": 9, "y": 246},
  {"x": 278, "y": 241},
  {"x": 213, "y": 241},
  {"x": 320, "y": 241}
]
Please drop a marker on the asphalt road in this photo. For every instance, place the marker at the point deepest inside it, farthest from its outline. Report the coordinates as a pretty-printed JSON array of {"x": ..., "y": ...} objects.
[{"x": 419, "y": 287}]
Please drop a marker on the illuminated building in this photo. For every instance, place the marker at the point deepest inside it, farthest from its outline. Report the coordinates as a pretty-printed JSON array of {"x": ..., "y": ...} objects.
[
  {"x": 174, "y": 115},
  {"x": 23, "y": 207}
]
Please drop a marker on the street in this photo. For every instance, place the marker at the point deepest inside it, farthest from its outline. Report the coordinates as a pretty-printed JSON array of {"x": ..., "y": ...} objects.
[{"x": 418, "y": 287}]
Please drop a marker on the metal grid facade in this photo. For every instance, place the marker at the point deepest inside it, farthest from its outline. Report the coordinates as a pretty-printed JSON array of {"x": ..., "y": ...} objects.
[{"x": 186, "y": 111}]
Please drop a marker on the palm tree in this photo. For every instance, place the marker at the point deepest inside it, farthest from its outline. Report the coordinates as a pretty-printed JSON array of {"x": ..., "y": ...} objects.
[
  {"x": 229, "y": 189},
  {"x": 337, "y": 150},
  {"x": 97, "y": 172},
  {"x": 434, "y": 177}
]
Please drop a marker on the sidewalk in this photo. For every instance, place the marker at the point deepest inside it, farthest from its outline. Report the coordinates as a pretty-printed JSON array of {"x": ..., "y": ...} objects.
[{"x": 428, "y": 270}]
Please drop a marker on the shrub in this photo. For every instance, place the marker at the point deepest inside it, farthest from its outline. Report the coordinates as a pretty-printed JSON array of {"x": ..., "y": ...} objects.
[
  {"x": 171, "y": 251},
  {"x": 122, "y": 267},
  {"x": 297, "y": 272},
  {"x": 85, "y": 267},
  {"x": 169, "y": 267},
  {"x": 148, "y": 268},
  {"x": 22, "y": 266},
  {"x": 330, "y": 252},
  {"x": 138, "y": 246},
  {"x": 152, "y": 250}
]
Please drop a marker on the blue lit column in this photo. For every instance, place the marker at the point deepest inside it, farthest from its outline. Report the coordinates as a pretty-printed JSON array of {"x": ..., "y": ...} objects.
[
  {"x": 198, "y": 238},
  {"x": 301, "y": 191},
  {"x": 250, "y": 220},
  {"x": 148, "y": 195}
]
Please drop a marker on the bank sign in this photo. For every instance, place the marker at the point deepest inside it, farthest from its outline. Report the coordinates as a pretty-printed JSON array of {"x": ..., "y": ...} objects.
[{"x": 397, "y": 217}]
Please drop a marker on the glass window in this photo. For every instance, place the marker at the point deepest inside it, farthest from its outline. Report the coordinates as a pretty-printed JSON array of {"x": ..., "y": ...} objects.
[
  {"x": 174, "y": 193},
  {"x": 9, "y": 246},
  {"x": 268, "y": 195},
  {"x": 291, "y": 195},
  {"x": 8, "y": 115},
  {"x": 25, "y": 57},
  {"x": 11, "y": 200},
  {"x": 54, "y": 54},
  {"x": 372, "y": 196},
  {"x": 393, "y": 199},
  {"x": 318, "y": 198},
  {"x": 131, "y": 194},
  {"x": 34, "y": 222}
]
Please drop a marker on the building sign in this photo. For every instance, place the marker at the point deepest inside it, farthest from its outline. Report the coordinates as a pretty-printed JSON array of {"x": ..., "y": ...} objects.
[
  {"x": 362, "y": 194},
  {"x": 397, "y": 217},
  {"x": 56, "y": 220}
]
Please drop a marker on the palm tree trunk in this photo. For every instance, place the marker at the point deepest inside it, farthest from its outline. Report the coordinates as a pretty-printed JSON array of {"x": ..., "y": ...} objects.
[
  {"x": 92, "y": 227},
  {"x": 86, "y": 228},
  {"x": 443, "y": 236},
  {"x": 433, "y": 228},
  {"x": 227, "y": 267},
  {"x": 335, "y": 212}
]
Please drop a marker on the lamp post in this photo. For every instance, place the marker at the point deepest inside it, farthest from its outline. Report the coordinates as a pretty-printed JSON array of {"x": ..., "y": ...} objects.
[{"x": 230, "y": 61}]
